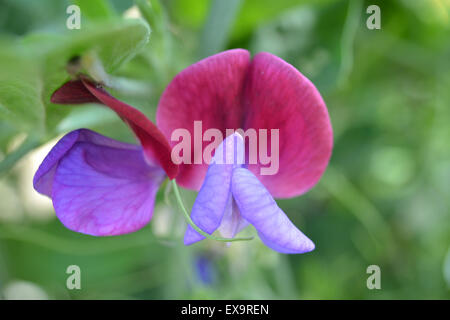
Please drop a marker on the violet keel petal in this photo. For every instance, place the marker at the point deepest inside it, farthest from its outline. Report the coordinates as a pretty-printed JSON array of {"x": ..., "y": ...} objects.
[
  {"x": 232, "y": 222},
  {"x": 259, "y": 208},
  {"x": 215, "y": 194}
]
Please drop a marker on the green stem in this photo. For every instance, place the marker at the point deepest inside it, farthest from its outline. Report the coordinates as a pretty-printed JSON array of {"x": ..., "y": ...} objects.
[
  {"x": 348, "y": 38},
  {"x": 193, "y": 225},
  {"x": 12, "y": 158}
]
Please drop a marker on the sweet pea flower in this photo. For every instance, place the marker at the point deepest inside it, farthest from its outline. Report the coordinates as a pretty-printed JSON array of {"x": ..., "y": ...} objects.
[
  {"x": 100, "y": 186},
  {"x": 232, "y": 91}
]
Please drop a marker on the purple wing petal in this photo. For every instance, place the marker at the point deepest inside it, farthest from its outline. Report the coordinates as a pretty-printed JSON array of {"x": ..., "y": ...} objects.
[
  {"x": 99, "y": 186},
  {"x": 43, "y": 179},
  {"x": 215, "y": 194},
  {"x": 259, "y": 208}
]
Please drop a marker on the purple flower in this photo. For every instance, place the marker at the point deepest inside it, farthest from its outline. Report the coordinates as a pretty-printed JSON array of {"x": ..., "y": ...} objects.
[
  {"x": 231, "y": 197},
  {"x": 205, "y": 270}
]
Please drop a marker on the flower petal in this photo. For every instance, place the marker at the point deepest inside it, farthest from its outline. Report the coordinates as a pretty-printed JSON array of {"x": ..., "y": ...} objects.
[
  {"x": 211, "y": 202},
  {"x": 43, "y": 179},
  {"x": 156, "y": 147},
  {"x": 278, "y": 96},
  {"x": 73, "y": 92},
  {"x": 209, "y": 91},
  {"x": 214, "y": 197},
  {"x": 232, "y": 221},
  {"x": 259, "y": 208},
  {"x": 99, "y": 186}
]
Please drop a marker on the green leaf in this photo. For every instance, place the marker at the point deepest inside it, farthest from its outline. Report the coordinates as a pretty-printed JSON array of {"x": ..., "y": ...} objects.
[
  {"x": 10, "y": 160},
  {"x": 256, "y": 12},
  {"x": 218, "y": 25},
  {"x": 190, "y": 14},
  {"x": 95, "y": 9},
  {"x": 112, "y": 43},
  {"x": 20, "y": 91},
  {"x": 33, "y": 67}
]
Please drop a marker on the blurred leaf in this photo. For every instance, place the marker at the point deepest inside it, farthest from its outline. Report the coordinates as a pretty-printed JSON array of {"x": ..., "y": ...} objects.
[
  {"x": 112, "y": 43},
  {"x": 351, "y": 26},
  {"x": 86, "y": 117},
  {"x": 446, "y": 268},
  {"x": 121, "y": 5},
  {"x": 433, "y": 12},
  {"x": 35, "y": 66},
  {"x": 220, "y": 20},
  {"x": 20, "y": 91},
  {"x": 190, "y": 13},
  {"x": 21, "y": 16},
  {"x": 95, "y": 9},
  {"x": 362, "y": 208},
  {"x": 387, "y": 183},
  {"x": 153, "y": 14},
  {"x": 8, "y": 162},
  {"x": 255, "y": 12},
  {"x": 288, "y": 36}
]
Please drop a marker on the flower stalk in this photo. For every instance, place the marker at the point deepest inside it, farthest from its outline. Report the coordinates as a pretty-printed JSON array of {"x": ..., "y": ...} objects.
[{"x": 193, "y": 225}]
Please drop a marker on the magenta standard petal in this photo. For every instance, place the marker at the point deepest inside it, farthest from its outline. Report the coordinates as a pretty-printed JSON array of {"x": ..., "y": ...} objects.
[
  {"x": 99, "y": 186},
  {"x": 257, "y": 206},
  {"x": 209, "y": 91},
  {"x": 278, "y": 96},
  {"x": 214, "y": 198},
  {"x": 227, "y": 91}
]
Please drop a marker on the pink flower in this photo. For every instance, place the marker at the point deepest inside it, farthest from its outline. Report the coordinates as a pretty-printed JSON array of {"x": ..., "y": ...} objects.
[{"x": 231, "y": 91}]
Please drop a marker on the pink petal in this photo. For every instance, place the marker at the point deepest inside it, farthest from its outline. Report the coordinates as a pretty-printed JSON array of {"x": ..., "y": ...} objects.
[
  {"x": 278, "y": 96},
  {"x": 73, "y": 92},
  {"x": 226, "y": 91},
  {"x": 209, "y": 91}
]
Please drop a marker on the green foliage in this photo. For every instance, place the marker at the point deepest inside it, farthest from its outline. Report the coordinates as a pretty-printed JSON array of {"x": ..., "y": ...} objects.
[
  {"x": 217, "y": 27},
  {"x": 383, "y": 200},
  {"x": 96, "y": 9},
  {"x": 20, "y": 90},
  {"x": 34, "y": 66}
]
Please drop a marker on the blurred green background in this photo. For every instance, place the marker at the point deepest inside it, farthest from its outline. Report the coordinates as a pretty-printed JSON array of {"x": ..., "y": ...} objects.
[{"x": 384, "y": 199}]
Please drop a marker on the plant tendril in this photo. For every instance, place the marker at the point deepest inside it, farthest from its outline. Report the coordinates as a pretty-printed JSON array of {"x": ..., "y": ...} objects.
[{"x": 193, "y": 225}]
